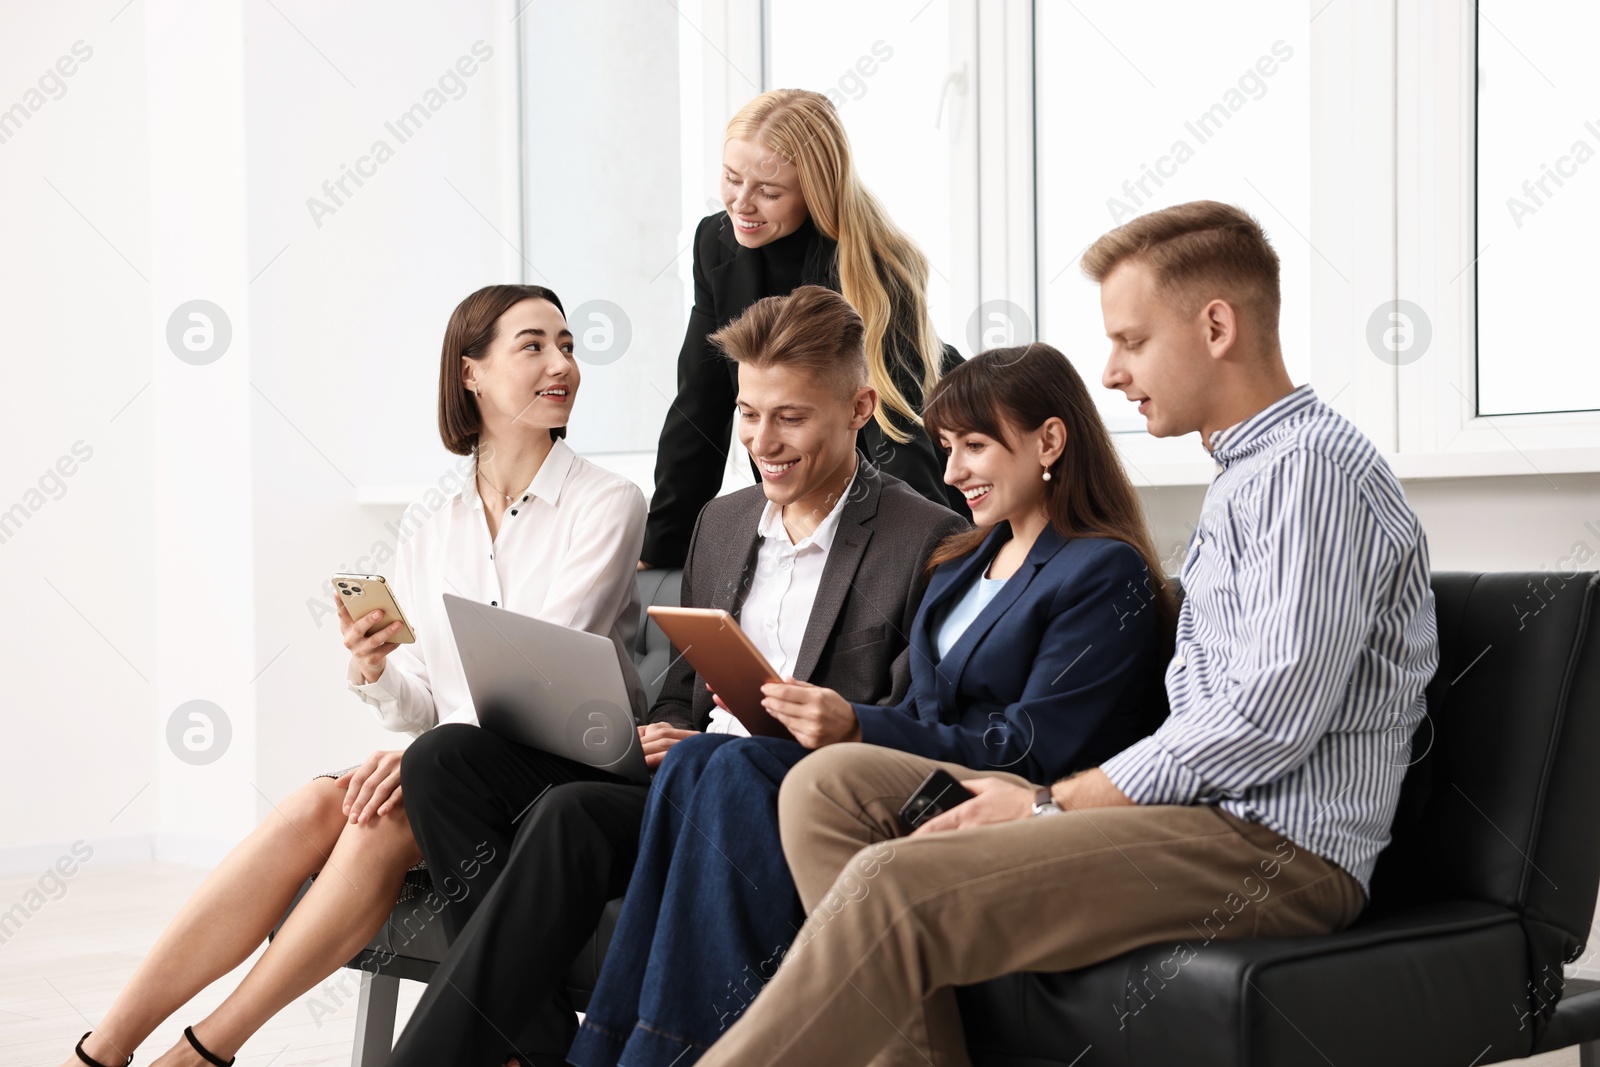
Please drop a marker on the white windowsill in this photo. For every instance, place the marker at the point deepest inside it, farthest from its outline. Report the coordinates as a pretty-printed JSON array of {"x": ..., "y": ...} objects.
[{"x": 1532, "y": 462}]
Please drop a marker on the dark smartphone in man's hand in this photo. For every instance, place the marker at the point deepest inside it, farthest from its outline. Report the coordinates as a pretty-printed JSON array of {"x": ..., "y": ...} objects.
[{"x": 938, "y": 793}]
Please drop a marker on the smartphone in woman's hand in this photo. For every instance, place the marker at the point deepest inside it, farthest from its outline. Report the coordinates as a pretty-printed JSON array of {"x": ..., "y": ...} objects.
[{"x": 364, "y": 593}]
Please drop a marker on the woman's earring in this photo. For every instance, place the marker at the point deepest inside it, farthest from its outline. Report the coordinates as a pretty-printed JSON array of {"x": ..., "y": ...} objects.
[{"x": 1047, "y": 474}]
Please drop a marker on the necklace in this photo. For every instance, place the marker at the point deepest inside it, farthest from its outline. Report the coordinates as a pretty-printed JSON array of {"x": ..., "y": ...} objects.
[{"x": 496, "y": 488}]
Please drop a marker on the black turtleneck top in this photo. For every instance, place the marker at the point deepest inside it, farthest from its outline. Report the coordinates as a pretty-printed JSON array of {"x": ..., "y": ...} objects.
[{"x": 783, "y": 261}]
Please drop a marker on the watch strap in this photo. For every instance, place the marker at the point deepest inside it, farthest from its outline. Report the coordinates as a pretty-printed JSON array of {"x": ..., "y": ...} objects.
[{"x": 1044, "y": 801}]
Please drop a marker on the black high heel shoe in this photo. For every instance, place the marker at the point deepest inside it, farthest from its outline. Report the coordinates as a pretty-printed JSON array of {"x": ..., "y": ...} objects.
[
  {"x": 84, "y": 1056},
  {"x": 205, "y": 1053}
]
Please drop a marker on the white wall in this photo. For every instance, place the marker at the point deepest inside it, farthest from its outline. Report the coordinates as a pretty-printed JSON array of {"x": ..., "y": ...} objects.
[
  {"x": 116, "y": 613},
  {"x": 349, "y": 316},
  {"x": 77, "y": 641},
  {"x": 201, "y": 366}
]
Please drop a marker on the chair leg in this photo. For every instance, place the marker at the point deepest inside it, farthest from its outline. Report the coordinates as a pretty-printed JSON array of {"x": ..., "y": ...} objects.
[
  {"x": 1589, "y": 1054},
  {"x": 375, "y": 1012}
]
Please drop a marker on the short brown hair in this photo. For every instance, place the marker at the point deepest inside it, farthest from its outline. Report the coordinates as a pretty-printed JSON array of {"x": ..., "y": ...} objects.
[
  {"x": 470, "y": 333},
  {"x": 1198, "y": 251},
  {"x": 813, "y": 330}
]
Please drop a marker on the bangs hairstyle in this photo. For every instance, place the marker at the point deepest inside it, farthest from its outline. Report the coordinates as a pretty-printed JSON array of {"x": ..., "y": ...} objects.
[
  {"x": 472, "y": 330},
  {"x": 1198, "y": 252},
  {"x": 1006, "y": 392},
  {"x": 812, "y": 330}
]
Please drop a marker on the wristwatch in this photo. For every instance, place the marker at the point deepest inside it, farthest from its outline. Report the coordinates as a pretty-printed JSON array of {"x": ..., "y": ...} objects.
[{"x": 1044, "y": 802}]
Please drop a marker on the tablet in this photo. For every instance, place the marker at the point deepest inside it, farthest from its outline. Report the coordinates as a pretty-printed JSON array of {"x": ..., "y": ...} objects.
[{"x": 725, "y": 657}]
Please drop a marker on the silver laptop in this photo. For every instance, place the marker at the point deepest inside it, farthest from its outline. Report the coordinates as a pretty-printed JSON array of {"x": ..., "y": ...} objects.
[{"x": 550, "y": 687}]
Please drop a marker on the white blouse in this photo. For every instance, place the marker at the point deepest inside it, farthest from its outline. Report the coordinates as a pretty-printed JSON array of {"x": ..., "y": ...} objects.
[
  {"x": 962, "y": 612},
  {"x": 566, "y": 553}
]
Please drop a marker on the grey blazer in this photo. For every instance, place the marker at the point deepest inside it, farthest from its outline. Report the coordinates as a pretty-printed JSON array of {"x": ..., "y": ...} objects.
[{"x": 857, "y": 639}]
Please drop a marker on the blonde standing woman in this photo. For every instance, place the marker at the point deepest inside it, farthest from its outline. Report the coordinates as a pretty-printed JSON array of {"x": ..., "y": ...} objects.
[{"x": 796, "y": 214}]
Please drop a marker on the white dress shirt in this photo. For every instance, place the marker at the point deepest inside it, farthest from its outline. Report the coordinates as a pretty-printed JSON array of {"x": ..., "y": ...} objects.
[
  {"x": 566, "y": 553},
  {"x": 784, "y": 587}
]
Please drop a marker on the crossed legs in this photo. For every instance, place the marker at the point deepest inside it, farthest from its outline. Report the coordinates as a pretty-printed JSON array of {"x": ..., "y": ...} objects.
[
  {"x": 893, "y": 923},
  {"x": 237, "y": 905}
]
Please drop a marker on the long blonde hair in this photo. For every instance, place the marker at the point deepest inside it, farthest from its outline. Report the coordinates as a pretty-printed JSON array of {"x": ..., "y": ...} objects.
[{"x": 881, "y": 271}]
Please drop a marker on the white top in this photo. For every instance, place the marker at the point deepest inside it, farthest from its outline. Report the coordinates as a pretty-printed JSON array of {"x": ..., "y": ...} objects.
[
  {"x": 567, "y": 553},
  {"x": 961, "y": 612},
  {"x": 784, "y": 587}
]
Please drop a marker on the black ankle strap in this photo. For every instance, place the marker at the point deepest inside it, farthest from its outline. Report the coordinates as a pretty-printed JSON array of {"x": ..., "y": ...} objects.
[
  {"x": 205, "y": 1053},
  {"x": 84, "y": 1056}
]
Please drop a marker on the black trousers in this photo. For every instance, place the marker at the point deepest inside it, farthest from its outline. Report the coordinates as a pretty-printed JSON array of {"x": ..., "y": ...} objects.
[{"x": 472, "y": 797}]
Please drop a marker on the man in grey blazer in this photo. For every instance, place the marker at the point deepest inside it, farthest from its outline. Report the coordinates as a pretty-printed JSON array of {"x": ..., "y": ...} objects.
[
  {"x": 870, "y": 588},
  {"x": 822, "y": 564}
]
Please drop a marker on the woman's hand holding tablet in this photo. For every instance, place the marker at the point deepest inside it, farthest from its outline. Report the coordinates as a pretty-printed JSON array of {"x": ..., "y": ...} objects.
[{"x": 814, "y": 716}]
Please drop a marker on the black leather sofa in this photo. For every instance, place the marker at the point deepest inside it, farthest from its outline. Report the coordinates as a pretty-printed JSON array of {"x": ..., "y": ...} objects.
[{"x": 1486, "y": 891}]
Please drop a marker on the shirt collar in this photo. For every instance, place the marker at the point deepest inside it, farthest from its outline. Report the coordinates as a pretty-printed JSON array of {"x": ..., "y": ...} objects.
[
  {"x": 771, "y": 524},
  {"x": 546, "y": 484},
  {"x": 1259, "y": 430}
]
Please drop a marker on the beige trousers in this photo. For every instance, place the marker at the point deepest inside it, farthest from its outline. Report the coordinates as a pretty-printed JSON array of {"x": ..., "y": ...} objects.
[{"x": 893, "y": 922}]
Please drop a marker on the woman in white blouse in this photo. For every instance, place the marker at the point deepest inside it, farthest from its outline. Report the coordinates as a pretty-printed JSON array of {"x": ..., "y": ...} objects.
[{"x": 540, "y": 531}]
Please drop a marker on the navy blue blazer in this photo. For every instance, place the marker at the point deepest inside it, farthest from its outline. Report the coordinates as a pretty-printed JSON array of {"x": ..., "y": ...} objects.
[{"x": 1059, "y": 671}]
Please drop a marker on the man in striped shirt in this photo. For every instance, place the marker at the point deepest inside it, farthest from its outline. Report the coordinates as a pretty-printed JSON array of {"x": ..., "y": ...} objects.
[{"x": 1258, "y": 808}]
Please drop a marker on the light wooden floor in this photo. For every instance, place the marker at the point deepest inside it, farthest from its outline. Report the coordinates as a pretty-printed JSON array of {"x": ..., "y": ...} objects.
[{"x": 60, "y": 971}]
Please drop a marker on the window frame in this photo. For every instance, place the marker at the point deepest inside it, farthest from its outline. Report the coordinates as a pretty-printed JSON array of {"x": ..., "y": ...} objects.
[
  {"x": 1392, "y": 200},
  {"x": 1441, "y": 432}
]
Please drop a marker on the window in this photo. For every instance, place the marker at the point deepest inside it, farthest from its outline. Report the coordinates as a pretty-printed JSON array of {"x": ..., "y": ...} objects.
[
  {"x": 1429, "y": 174},
  {"x": 1501, "y": 384},
  {"x": 888, "y": 68},
  {"x": 620, "y": 104},
  {"x": 1538, "y": 207},
  {"x": 1215, "y": 106}
]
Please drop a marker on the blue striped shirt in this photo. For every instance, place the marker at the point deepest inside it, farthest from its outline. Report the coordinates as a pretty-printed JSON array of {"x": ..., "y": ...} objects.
[{"x": 1306, "y": 637}]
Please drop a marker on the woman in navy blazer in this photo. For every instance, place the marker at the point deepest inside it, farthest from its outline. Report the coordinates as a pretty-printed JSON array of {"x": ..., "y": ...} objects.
[
  {"x": 1038, "y": 648},
  {"x": 1018, "y": 690}
]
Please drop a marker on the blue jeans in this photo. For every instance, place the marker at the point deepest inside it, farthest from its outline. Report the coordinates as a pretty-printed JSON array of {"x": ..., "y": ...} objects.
[{"x": 710, "y": 910}]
